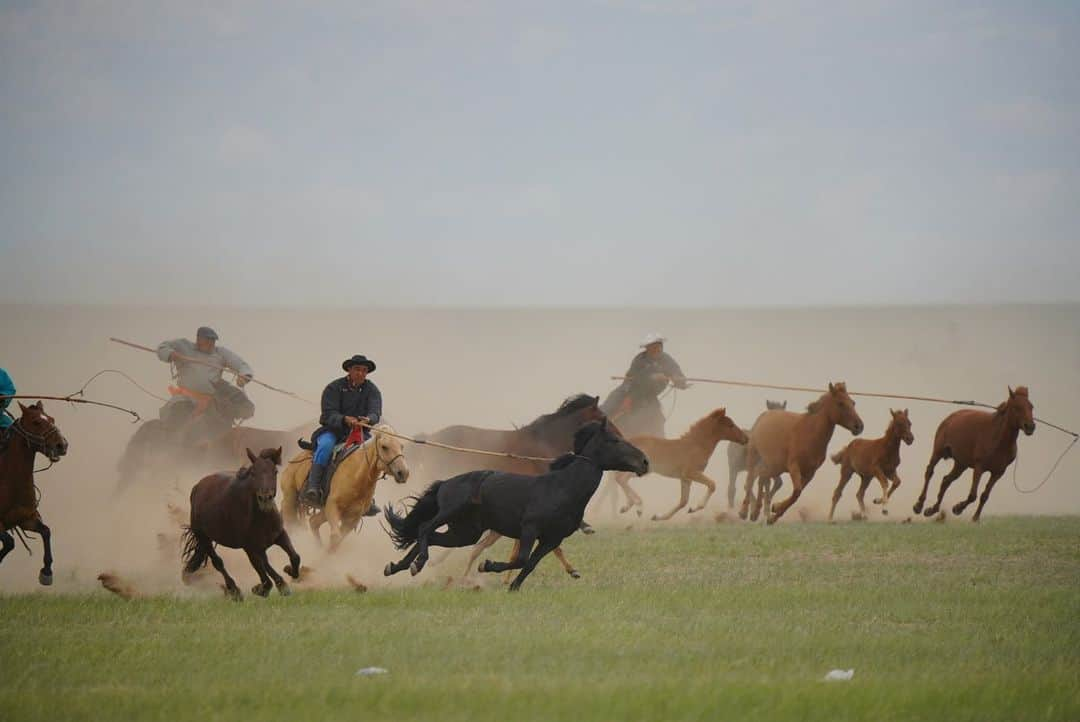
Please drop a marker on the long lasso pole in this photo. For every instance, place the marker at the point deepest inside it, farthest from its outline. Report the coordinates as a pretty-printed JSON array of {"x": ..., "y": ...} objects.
[{"x": 201, "y": 362}]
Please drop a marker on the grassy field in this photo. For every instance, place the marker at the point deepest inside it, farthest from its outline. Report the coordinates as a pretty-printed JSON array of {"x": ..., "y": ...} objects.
[{"x": 952, "y": 622}]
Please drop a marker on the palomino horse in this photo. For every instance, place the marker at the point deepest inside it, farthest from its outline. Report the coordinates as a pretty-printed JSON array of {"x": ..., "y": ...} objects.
[
  {"x": 541, "y": 510},
  {"x": 874, "y": 459},
  {"x": 238, "y": 511},
  {"x": 796, "y": 443},
  {"x": 736, "y": 458},
  {"x": 352, "y": 487},
  {"x": 32, "y": 433},
  {"x": 978, "y": 440},
  {"x": 549, "y": 435},
  {"x": 684, "y": 458}
]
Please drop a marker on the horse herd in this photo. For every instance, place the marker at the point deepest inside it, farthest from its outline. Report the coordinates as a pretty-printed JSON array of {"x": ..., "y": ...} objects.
[{"x": 519, "y": 494}]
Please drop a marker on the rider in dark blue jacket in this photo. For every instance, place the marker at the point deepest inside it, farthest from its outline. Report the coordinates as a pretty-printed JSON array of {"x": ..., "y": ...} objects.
[{"x": 346, "y": 404}]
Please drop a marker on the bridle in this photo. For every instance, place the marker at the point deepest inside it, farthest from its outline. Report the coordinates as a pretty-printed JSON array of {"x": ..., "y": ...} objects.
[
  {"x": 386, "y": 464},
  {"x": 37, "y": 442}
]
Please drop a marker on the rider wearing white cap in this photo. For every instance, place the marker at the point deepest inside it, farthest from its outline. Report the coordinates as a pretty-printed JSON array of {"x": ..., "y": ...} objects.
[{"x": 635, "y": 400}]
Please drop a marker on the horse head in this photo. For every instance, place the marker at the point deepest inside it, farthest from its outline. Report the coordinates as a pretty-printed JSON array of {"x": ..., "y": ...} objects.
[
  {"x": 40, "y": 431},
  {"x": 263, "y": 476},
  {"x": 720, "y": 427},
  {"x": 901, "y": 426},
  {"x": 1019, "y": 410},
  {"x": 841, "y": 408},
  {"x": 602, "y": 442},
  {"x": 390, "y": 453},
  {"x": 776, "y": 405}
]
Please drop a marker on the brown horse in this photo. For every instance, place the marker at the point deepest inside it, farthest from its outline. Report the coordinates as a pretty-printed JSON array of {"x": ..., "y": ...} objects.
[
  {"x": 230, "y": 447},
  {"x": 238, "y": 511},
  {"x": 736, "y": 458},
  {"x": 684, "y": 458},
  {"x": 874, "y": 459},
  {"x": 32, "y": 433},
  {"x": 352, "y": 488},
  {"x": 783, "y": 441},
  {"x": 978, "y": 440}
]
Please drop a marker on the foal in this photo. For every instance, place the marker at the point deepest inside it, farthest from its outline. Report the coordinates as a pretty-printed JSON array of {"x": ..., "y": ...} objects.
[
  {"x": 873, "y": 459},
  {"x": 238, "y": 511}
]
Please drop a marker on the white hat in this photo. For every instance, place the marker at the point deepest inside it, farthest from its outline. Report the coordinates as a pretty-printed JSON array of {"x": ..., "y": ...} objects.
[{"x": 651, "y": 338}]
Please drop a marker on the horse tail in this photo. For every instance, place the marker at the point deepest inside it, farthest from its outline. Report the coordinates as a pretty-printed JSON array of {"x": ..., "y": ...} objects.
[
  {"x": 839, "y": 456},
  {"x": 194, "y": 555},
  {"x": 405, "y": 529}
]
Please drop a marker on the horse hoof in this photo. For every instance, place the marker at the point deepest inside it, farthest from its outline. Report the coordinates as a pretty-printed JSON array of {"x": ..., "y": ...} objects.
[
  {"x": 388, "y": 569},
  {"x": 772, "y": 519},
  {"x": 284, "y": 590},
  {"x": 234, "y": 594},
  {"x": 878, "y": 501},
  {"x": 294, "y": 573},
  {"x": 575, "y": 574},
  {"x": 44, "y": 579},
  {"x": 691, "y": 511},
  {"x": 917, "y": 508},
  {"x": 415, "y": 567},
  {"x": 482, "y": 567},
  {"x": 656, "y": 517},
  {"x": 260, "y": 591},
  {"x": 587, "y": 529},
  {"x": 958, "y": 510},
  {"x": 742, "y": 514},
  {"x": 930, "y": 512},
  {"x": 884, "y": 512}
]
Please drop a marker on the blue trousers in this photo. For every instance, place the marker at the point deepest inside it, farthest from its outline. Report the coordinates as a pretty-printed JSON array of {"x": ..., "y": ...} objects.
[{"x": 324, "y": 447}]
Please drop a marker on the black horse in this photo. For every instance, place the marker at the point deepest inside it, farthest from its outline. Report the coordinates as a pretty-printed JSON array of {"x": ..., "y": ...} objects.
[
  {"x": 541, "y": 510},
  {"x": 238, "y": 511}
]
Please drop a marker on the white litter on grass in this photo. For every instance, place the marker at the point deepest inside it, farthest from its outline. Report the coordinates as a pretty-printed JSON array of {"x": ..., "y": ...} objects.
[
  {"x": 371, "y": 671},
  {"x": 839, "y": 675}
]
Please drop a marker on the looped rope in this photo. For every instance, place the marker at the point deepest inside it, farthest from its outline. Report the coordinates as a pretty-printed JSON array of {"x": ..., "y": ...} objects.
[
  {"x": 72, "y": 400},
  {"x": 130, "y": 380},
  {"x": 1053, "y": 468},
  {"x": 461, "y": 449}
]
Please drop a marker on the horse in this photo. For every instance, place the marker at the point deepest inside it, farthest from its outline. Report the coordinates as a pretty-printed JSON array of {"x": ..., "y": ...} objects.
[
  {"x": 978, "y": 440},
  {"x": 874, "y": 459},
  {"x": 684, "y": 458},
  {"x": 228, "y": 448},
  {"x": 796, "y": 443},
  {"x": 541, "y": 510},
  {"x": 32, "y": 433},
  {"x": 549, "y": 435},
  {"x": 238, "y": 511},
  {"x": 352, "y": 486},
  {"x": 736, "y": 458}
]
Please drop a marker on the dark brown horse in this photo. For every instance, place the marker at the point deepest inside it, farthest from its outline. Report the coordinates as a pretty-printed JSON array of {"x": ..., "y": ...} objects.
[
  {"x": 874, "y": 459},
  {"x": 238, "y": 511},
  {"x": 979, "y": 440},
  {"x": 783, "y": 441},
  {"x": 32, "y": 433}
]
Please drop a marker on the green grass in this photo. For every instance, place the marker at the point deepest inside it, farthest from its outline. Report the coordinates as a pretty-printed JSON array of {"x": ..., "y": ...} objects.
[{"x": 953, "y": 622}]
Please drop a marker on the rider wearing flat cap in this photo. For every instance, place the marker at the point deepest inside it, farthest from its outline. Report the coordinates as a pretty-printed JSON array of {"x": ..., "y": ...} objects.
[{"x": 347, "y": 403}]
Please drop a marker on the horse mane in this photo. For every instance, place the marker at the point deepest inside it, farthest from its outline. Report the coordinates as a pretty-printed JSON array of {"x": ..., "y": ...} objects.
[
  {"x": 1018, "y": 391},
  {"x": 570, "y": 406},
  {"x": 562, "y": 462},
  {"x": 814, "y": 406},
  {"x": 698, "y": 429}
]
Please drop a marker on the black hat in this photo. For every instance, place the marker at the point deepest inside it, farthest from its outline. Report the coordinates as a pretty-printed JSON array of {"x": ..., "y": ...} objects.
[
  {"x": 358, "y": 360},
  {"x": 206, "y": 332}
]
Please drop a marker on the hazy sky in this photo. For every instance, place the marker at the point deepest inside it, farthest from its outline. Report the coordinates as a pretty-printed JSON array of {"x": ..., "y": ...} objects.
[{"x": 557, "y": 153}]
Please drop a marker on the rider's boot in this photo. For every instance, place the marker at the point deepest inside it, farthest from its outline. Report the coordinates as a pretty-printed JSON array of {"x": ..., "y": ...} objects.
[
  {"x": 374, "y": 510},
  {"x": 312, "y": 494}
]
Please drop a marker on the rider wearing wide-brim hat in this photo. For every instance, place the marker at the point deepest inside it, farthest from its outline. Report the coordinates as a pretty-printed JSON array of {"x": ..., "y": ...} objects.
[
  {"x": 347, "y": 404},
  {"x": 634, "y": 404}
]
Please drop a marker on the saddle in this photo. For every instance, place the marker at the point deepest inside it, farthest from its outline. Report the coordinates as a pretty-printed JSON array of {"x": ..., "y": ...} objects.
[{"x": 342, "y": 450}]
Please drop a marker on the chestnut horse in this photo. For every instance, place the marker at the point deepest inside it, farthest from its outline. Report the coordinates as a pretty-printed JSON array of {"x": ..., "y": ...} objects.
[
  {"x": 32, "y": 433},
  {"x": 874, "y": 459},
  {"x": 351, "y": 489},
  {"x": 684, "y": 458},
  {"x": 979, "y": 440},
  {"x": 238, "y": 511},
  {"x": 783, "y": 441},
  {"x": 736, "y": 458}
]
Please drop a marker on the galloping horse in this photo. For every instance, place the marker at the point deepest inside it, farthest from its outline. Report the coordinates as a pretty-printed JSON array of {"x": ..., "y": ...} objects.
[
  {"x": 979, "y": 440},
  {"x": 684, "y": 458},
  {"x": 796, "y": 443},
  {"x": 874, "y": 459},
  {"x": 541, "y": 510},
  {"x": 238, "y": 511},
  {"x": 352, "y": 486},
  {"x": 549, "y": 435},
  {"x": 736, "y": 458},
  {"x": 32, "y": 433}
]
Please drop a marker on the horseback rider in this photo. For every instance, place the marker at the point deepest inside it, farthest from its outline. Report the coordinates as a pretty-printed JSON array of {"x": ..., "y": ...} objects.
[
  {"x": 199, "y": 387},
  {"x": 637, "y": 397},
  {"x": 7, "y": 388},
  {"x": 347, "y": 404}
]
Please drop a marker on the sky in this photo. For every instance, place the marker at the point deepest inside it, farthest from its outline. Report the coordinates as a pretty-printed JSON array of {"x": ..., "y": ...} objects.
[{"x": 591, "y": 153}]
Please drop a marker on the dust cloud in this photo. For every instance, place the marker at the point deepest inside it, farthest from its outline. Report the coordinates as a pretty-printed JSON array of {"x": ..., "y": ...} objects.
[{"x": 498, "y": 368}]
